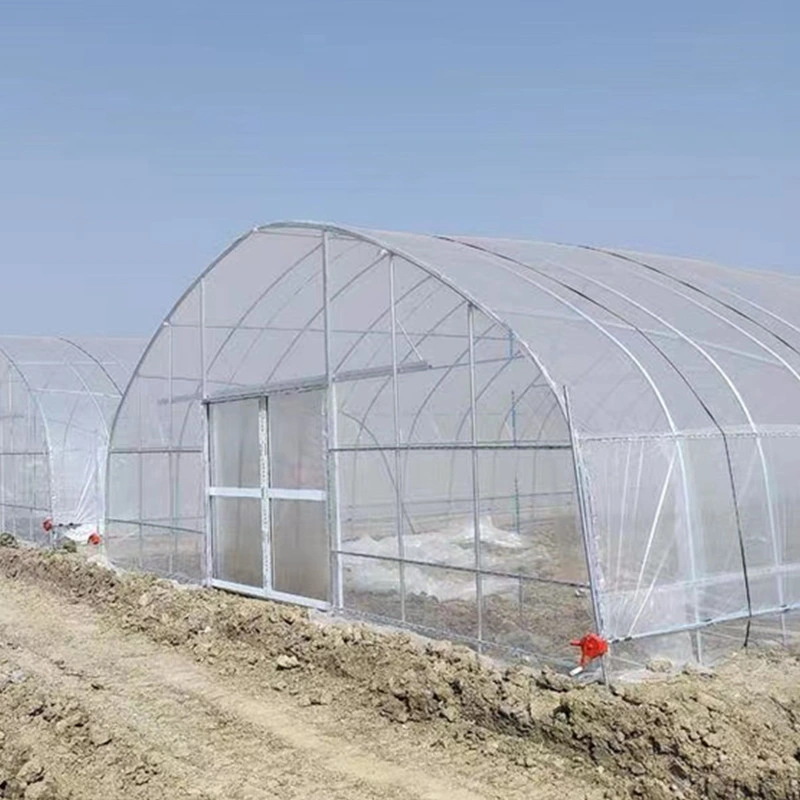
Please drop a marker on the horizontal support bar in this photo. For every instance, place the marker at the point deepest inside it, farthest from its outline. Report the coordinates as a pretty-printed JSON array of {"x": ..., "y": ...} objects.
[
  {"x": 707, "y": 623},
  {"x": 306, "y": 384},
  {"x": 309, "y": 602},
  {"x": 238, "y": 588},
  {"x": 787, "y": 433},
  {"x": 453, "y": 636},
  {"x": 159, "y": 525},
  {"x": 319, "y": 382},
  {"x": 447, "y": 446},
  {"x": 19, "y": 507},
  {"x": 23, "y": 453},
  {"x": 271, "y": 493},
  {"x": 229, "y": 491},
  {"x": 54, "y": 390},
  {"x": 296, "y": 494},
  {"x": 734, "y": 579},
  {"x": 373, "y": 333},
  {"x": 264, "y": 594},
  {"x": 465, "y": 570},
  {"x": 134, "y": 451}
]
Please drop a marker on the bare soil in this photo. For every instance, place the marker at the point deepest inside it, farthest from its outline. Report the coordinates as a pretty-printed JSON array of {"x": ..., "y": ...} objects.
[{"x": 131, "y": 687}]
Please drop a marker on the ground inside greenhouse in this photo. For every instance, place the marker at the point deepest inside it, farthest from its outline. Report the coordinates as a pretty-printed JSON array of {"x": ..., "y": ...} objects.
[{"x": 129, "y": 687}]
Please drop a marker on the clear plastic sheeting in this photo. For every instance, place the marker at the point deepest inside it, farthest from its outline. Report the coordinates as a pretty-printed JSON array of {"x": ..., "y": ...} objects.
[
  {"x": 57, "y": 401},
  {"x": 520, "y": 441}
]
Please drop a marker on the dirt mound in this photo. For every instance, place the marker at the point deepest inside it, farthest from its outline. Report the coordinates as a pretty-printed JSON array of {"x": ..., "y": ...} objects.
[
  {"x": 735, "y": 734},
  {"x": 52, "y": 749}
]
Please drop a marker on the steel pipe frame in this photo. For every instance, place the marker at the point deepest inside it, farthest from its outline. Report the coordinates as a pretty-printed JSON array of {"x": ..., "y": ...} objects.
[
  {"x": 677, "y": 332},
  {"x": 330, "y": 442},
  {"x": 586, "y": 521},
  {"x": 488, "y": 446},
  {"x": 702, "y": 350},
  {"x": 415, "y": 562},
  {"x": 698, "y": 626},
  {"x": 499, "y": 260},
  {"x": 476, "y": 509},
  {"x": 402, "y": 514},
  {"x": 357, "y": 236},
  {"x": 694, "y": 344},
  {"x": 330, "y": 299},
  {"x": 737, "y": 394},
  {"x": 728, "y": 381},
  {"x": 206, "y": 432},
  {"x": 398, "y": 473},
  {"x": 268, "y": 324},
  {"x": 459, "y": 638}
]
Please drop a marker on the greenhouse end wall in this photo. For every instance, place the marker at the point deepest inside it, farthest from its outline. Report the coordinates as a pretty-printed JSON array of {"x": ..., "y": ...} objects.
[
  {"x": 437, "y": 424},
  {"x": 378, "y": 422}
]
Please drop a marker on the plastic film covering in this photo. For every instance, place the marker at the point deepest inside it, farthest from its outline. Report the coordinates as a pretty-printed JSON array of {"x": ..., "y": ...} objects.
[
  {"x": 451, "y": 461},
  {"x": 57, "y": 400}
]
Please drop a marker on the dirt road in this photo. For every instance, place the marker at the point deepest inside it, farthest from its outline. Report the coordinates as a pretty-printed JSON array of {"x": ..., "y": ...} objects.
[
  {"x": 93, "y": 711},
  {"x": 124, "y": 686}
]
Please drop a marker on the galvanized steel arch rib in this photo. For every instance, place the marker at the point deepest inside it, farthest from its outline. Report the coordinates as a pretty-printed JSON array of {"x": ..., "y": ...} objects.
[
  {"x": 645, "y": 373},
  {"x": 345, "y": 231},
  {"x": 762, "y": 275},
  {"x": 751, "y": 422},
  {"x": 82, "y": 380},
  {"x": 242, "y": 317},
  {"x": 375, "y": 240},
  {"x": 154, "y": 338},
  {"x": 94, "y": 358},
  {"x": 501, "y": 261},
  {"x": 725, "y": 321},
  {"x": 320, "y": 313},
  {"x": 644, "y": 309},
  {"x": 639, "y": 261},
  {"x": 763, "y": 309},
  {"x": 737, "y": 394}
]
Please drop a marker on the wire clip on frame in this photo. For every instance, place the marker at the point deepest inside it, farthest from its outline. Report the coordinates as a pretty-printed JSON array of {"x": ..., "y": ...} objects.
[
  {"x": 592, "y": 646},
  {"x": 52, "y": 528}
]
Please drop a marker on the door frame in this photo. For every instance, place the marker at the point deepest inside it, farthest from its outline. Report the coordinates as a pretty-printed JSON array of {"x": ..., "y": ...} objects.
[{"x": 265, "y": 494}]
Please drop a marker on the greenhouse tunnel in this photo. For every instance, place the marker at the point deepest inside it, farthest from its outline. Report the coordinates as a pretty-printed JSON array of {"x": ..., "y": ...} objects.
[
  {"x": 57, "y": 400},
  {"x": 499, "y": 442}
]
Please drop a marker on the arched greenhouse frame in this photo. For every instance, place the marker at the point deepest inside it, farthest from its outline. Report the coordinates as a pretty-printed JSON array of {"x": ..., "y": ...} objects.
[
  {"x": 500, "y": 442},
  {"x": 58, "y": 397}
]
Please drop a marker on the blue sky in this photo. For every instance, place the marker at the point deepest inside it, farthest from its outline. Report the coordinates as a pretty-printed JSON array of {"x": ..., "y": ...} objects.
[{"x": 137, "y": 139}]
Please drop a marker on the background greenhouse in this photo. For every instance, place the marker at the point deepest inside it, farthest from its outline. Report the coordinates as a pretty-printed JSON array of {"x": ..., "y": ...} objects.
[
  {"x": 57, "y": 400},
  {"x": 501, "y": 442}
]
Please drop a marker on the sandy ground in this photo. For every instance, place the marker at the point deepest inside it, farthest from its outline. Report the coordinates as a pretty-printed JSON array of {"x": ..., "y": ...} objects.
[
  {"x": 129, "y": 687},
  {"x": 90, "y": 710}
]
